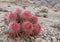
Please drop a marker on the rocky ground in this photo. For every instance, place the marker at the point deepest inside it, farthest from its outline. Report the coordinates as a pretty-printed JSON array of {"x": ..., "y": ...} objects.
[{"x": 49, "y": 18}]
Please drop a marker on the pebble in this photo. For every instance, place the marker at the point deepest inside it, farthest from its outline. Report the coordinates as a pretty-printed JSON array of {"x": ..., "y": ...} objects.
[
  {"x": 44, "y": 9},
  {"x": 3, "y": 10},
  {"x": 56, "y": 25},
  {"x": 58, "y": 40},
  {"x": 57, "y": 7},
  {"x": 1, "y": 40},
  {"x": 9, "y": 5},
  {"x": 2, "y": 23},
  {"x": 38, "y": 40},
  {"x": 42, "y": 15},
  {"x": 45, "y": 16},
  {"x": 53, "y": 39}
]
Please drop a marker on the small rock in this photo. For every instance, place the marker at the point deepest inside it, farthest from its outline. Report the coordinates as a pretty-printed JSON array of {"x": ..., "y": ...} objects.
[
  {"x": 22, "y": 40},
  {"x": 57, "y": 7},
  {"x": 5, "y": 10},
  {"x": 1, "y": 9},
  {"x": 9, "y": 6},
  {"x": 42, "y": 15},
  {"x": 56, "y": 26},
  {"x": 1, "y": 40},
  {"x": 38, "y": 40},
  {"x": 45, "y": 16},
  {"x": 2, "y": 24},
  {"x": 32, "y": 39},
  {"x": 18, "y": 38},
  {"x": 44, "y": 9},
  {"x": 0, "y": 29},
  {"x": 53, "y": 39},
  {"x": 58, "y": 40},
  {"x": 48, "y": 40}
]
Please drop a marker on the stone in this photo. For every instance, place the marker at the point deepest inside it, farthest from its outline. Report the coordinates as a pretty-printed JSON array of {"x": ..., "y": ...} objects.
[
  {"x": 1, "y": 40},
  {"x": 0, "y": 30},
  {"x": 44, "y": 9},
  {"x": 2, "y": 24},
  {"x": 38, "y": 40},
  {"x": 56, "y": 25},
  {"x": 57, "y": 7},
  {"x": 1, "y": 9},
  {"x": 45, "y": 16},
  {"x": 58, "y": 40},
  {"x": 42, "y": 15},
  {"x": 18, "y": 38},
  {"x": 53, "y": 39}
]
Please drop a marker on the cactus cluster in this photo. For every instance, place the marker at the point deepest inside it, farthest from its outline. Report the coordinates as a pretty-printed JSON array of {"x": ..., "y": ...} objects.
[{"x": 22, "y": 22}]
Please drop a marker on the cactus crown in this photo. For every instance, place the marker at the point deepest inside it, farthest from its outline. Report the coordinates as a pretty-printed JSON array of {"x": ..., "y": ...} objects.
[
  {"x": 12, "y": 15},
  {"x": 14, "y": 25},
  {"x": 35, "y": 18},
  {"x": 28, "y": 25},
  {"x": 27, "y": 13},
  {"x": 18, "y": 10}
]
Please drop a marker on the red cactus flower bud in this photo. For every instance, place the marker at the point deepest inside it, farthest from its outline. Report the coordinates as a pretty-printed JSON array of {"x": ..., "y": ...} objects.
[
  {"x": 18, "y": 10},
  {"x": 27, "y": 28},
  {"x": 12, "y": 16},
  {"x": 27, "y": 14},
  {"x": 37, "y": 29},
  {"x": 14, "y": 29},
  {"x": 14, "y": 25},
  {"x": 34, "y": 19},
  {"x": 6, "y": 16}
]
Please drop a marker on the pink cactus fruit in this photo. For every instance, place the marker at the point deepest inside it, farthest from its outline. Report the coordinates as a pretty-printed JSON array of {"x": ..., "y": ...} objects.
[
  {"x": 12, "y": 16},
  {"x": 27, "y": 28},
  {"x": 34, "y": 19},
  {"x": 37, "y": 29},
  {"x": 18, "y": 10},
  {"x": 14, "y": 29},
  {"x": 6, "y": 17},
  {"x": 26, "y": 14}
]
